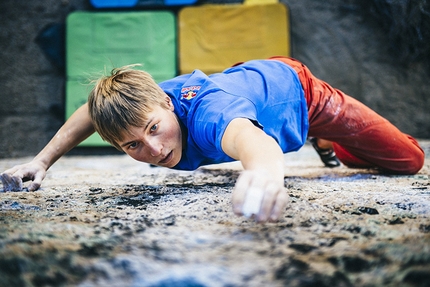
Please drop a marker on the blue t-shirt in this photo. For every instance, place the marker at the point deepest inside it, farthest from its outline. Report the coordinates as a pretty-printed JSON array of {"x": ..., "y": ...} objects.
[{"x": 267, "y": 92}]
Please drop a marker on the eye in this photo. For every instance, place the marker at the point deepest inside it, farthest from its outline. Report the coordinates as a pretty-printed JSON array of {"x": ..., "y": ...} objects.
[
  {"x": 154, "y": 128},
  {"x": 133, "y": 145}
]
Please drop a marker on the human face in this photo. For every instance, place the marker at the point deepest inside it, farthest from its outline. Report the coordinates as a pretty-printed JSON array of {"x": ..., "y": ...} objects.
[{"x": 158, "y": 141}]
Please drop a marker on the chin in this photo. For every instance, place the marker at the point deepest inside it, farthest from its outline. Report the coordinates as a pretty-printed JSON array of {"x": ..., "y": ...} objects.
[{"x": 174, "y": 162}]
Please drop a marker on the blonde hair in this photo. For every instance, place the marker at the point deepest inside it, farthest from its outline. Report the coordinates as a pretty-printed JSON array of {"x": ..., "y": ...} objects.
[{"x": 123, "y": 99}]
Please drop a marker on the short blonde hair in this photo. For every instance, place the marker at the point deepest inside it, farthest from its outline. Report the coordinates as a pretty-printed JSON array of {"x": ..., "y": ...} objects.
[{"x": 123, "y": 99}]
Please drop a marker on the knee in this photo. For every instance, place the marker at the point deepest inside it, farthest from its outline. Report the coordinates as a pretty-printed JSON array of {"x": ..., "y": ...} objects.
[
  {"x": 412, "y": 165},
  {"x": 416, "y": 163}
]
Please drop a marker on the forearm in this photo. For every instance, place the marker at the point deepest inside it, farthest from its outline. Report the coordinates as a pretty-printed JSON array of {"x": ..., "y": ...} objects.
[
  {"x": 77, "y": 128},
  {"x": 255, "y": 149},
  {"x": 263, "y": 154}
]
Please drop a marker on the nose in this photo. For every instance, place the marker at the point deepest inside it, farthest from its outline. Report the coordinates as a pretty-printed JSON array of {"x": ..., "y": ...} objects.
[{"x": 154, "y": 147}]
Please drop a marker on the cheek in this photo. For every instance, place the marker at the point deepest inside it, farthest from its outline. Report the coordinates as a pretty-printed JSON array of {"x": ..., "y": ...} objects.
[
  {"x": 173, "y": 135},
  {"x": 138, "y": 155}
]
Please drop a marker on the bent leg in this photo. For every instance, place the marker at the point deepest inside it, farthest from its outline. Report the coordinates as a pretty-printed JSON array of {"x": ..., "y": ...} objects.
[
  {"x": 388, "y": 149},
  {"x": 361, "y": 137}
]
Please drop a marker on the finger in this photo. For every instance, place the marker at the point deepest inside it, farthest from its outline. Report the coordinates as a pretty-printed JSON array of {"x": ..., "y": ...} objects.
[
  {"x": 37, "y": 181},
  {"x": 270, "y": 195},
  {"x": 239, "y": 192},
  {"x": 33, "y": 186},
  {"x": 11, "y": 183},
  {"x": 279, "y": 207},
  {"x": 252, "y": 203},
  {"x": 12, "y": 170},
  {"x": 24, "y": 176},
  {"x": 4, "y": 182},
  {"x": 8, "y": 182}
]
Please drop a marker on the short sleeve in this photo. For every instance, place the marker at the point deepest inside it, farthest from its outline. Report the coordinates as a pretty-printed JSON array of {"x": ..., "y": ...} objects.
[{"x": 212, "y": 115}]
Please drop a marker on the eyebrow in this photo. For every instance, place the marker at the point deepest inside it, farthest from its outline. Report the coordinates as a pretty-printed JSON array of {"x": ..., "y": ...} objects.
[
  {"x": 150, "y": 120},
  {"x": 127, "y": 143},
  {"x": 146, "y": 127}
]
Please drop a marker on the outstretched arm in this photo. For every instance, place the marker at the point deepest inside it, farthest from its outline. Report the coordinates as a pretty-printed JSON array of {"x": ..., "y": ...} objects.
[
  {"x": 77, "y": 128},
  {"x": 263, "y": 178}
]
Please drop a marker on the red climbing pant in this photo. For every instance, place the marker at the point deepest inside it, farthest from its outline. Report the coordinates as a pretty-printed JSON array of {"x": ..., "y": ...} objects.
[{"x": 361, "y": 137}]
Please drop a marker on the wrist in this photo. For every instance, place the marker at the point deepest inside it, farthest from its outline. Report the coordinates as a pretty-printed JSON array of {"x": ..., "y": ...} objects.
[{"x": 42, "y": 162}]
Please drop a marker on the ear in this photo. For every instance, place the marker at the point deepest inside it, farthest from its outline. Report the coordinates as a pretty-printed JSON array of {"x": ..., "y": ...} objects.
[{"x": 169, "y": 103}]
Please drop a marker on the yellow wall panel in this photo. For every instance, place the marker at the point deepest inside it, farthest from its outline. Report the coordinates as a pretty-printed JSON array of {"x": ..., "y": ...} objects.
[{"x": 214, "y": 37}]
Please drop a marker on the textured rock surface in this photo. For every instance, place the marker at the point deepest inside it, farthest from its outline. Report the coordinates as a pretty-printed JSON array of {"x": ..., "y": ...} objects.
[
  {"x": 332, "y": 37},
  {"x": 111, "y": 221}
]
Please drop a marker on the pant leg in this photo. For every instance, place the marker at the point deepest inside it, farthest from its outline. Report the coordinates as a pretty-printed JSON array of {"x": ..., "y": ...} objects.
[{"x": 361, "y": 137}]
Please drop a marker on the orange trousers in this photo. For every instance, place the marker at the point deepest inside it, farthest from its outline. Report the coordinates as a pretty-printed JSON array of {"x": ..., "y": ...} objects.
[{"x": 361, "y": 138}]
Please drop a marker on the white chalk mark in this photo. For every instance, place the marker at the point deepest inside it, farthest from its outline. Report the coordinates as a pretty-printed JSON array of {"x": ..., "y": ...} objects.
[{"x": 253, "y": 199}]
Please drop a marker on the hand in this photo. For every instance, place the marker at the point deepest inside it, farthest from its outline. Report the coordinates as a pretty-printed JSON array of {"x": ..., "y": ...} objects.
[
  {"x": 13, "y": 178},
  {"x": 258, "y": 194}
]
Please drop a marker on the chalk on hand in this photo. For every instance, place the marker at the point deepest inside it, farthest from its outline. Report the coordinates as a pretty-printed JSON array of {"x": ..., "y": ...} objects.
[
  {"x": 10, "y": 183},
  {"x": 253, "y": 199}
]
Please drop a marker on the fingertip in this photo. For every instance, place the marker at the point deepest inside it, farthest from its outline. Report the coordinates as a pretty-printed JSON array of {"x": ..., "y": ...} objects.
[
  {"x": 276, "y": 213},
  {"x": 237, "y": 210},
  {"x": 260, "y": 220},
  {"x": 17, "y": 181},
  {"x": 33, "y": 186},
  {"x": 274, "y": 218}
]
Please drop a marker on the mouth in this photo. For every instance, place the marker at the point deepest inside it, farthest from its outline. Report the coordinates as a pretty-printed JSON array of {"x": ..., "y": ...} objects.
[{"x": 166, "y": 159}]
